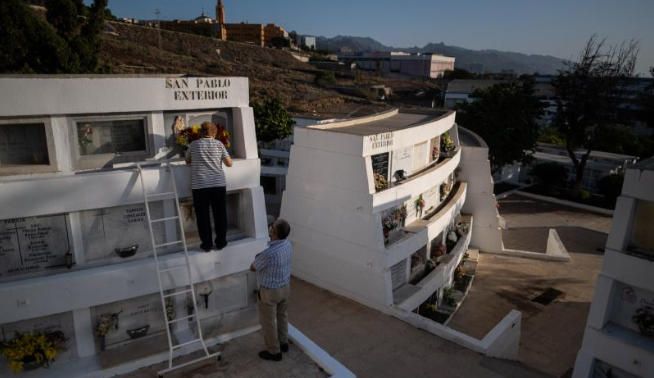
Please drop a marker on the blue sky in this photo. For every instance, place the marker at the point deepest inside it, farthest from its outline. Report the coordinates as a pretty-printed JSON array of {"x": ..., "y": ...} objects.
[{"x": 553, "y": 27}]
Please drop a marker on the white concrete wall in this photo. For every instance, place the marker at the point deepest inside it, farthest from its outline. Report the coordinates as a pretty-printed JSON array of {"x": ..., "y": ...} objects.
[
  {"x": 57, "y": 101},
  {"x": 52, "y": 95},
  {"x": 335, "y": 214},
  {"x": 623, "y": 281},
  {"x": 481, "y": 203}
]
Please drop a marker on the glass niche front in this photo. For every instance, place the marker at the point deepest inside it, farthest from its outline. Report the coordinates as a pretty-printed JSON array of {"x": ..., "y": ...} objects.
[
  {"x": 105, "y": 141},
  {"x": 642, "y": 238},
  {"x": 633, "y": 308},
  {"x": 34, "y": 244},
  {"x": 179, "y": 125},
  {"x": 224, "y": 305},
  {"x": 24, "y": 149}
]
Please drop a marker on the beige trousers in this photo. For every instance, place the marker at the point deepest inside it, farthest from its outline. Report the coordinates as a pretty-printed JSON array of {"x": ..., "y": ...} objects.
[{"x": 273, "y": 316}]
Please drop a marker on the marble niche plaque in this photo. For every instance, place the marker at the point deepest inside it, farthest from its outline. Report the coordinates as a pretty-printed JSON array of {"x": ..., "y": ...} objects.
[
  {"x": 62, "y": 322},
  {"x": 33, "y": 244},
  {"x": 628, "y": 300},
  {"x": 108, "y": 233},
  {"x": 137, "y": 319},
  {"x": 224, "y": 305}
]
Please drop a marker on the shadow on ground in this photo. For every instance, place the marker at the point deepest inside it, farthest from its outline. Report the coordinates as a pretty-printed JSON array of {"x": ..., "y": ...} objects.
[{"x": 575, "y": 239}]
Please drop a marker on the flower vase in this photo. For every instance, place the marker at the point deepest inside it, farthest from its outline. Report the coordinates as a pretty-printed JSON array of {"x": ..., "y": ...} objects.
[{"x": 103, "y": 343}]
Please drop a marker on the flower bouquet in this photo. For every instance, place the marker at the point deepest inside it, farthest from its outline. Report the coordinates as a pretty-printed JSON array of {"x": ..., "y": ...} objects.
[
  {"x": 35, "y": 349},
  {"x": 420, "y": 204},
  {"x": 380, "y": 182},
  {"x": 447, "y": 145},
  {"x": 184, "y": 137}
]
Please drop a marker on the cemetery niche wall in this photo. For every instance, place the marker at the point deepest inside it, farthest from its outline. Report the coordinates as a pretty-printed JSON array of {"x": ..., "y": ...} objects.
[
  {"x": 75, "y": 249},
  {"x": 34, "y": 244}
]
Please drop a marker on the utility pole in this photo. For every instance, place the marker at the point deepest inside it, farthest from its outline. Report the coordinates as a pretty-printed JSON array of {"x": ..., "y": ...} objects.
[{"x": 157, "y": 13}]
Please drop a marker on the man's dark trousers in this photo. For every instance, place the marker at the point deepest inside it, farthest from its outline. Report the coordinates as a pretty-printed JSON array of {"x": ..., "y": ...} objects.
[{"x": 203, "y": 200}]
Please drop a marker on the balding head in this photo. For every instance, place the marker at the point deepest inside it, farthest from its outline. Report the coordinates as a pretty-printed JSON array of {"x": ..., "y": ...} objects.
[{"x": 281, "y": 229}]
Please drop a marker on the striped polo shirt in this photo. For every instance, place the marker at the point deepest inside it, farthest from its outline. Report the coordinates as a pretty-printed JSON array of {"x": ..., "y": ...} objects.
[
  {"x": 207, "y": 156},
  {"x": 273, "y": 265}
]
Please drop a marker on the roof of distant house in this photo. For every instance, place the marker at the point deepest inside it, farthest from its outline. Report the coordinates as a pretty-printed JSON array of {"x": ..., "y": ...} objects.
[
  {"x": 646, "y": 164},
  {"x": 469, "y": 86}
]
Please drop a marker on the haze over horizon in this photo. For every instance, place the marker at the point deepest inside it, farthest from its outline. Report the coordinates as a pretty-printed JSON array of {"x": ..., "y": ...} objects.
[{"x": 558, "y": 28}]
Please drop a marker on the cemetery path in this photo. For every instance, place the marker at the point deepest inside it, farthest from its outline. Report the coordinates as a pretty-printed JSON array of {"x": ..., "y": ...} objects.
[
  {"x": 551, "y": 333},
  {"x": 372, "y": 344}
]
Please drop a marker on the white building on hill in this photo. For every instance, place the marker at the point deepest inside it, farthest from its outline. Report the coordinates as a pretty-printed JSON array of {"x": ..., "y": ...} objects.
[
  {"x": 372, "y": 202},
  {"x": 74, "y": 242},
  {"x": 619, "y": 337}
]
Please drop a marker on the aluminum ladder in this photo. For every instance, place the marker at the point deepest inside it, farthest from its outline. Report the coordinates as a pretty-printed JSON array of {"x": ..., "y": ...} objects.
[{"x": 188, "y": 288}]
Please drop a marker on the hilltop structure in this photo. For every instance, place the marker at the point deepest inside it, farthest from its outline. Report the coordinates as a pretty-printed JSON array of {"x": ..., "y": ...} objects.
[{"x": 258, "y": 34}]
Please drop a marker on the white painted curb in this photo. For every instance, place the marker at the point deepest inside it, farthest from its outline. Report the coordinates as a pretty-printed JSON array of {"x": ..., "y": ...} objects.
[{"x": 319, "y": 355}]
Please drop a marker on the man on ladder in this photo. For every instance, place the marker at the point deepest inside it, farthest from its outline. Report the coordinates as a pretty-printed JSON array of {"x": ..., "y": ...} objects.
[{"x": 206, "y": 157}]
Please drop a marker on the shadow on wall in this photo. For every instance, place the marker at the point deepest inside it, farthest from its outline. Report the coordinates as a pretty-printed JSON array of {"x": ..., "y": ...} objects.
[{"x": 576, "y": 239}]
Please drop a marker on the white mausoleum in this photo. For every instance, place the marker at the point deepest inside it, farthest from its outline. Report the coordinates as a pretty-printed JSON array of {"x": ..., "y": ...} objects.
[
  {"x": 373, "y": 203},
  {"x": 74, "y": 242},
  {"x": 619, "y": 337}
]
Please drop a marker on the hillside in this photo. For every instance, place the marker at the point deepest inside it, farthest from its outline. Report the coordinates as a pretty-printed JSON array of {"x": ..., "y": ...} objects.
[
  {"x": 472, "y": 60},
  {"x": 135, "y": 49}
]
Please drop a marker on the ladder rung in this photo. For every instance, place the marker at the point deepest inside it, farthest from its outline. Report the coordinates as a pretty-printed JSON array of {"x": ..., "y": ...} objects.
[
  {"x": 177, "y": 293},
  {"x": 164, "y": 219},
  {"x": 180, "y": 319},
  {"x": 169, "y": 268},
  {"x": 168, "y": 244},
  {"x": 164, "y": 194},
  {"x": 187, "y": 343}
]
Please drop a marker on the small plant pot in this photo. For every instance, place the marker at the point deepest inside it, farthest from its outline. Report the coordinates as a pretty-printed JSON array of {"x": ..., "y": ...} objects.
[
  {"x": 138, "y": 332},
  {"x": 127, "y": 251}
]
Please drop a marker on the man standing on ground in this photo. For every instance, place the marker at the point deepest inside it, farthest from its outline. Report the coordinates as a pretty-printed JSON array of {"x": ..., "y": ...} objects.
[
  {"x": 207, "y": 156},
  {"x": 273, "y": 267}
]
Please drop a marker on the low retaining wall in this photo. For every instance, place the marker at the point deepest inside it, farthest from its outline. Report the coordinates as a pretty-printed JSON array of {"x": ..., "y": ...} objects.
[
  {"x": 318, "y": 355},
  {"x": 593, "y": 209},
  {"x": 555, "y": 250},
  {"x": 503, "y": 341}
]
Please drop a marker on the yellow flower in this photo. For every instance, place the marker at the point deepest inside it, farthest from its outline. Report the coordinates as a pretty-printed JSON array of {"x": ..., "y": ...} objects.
[
  {"x": 196, "y": 129},
  {"x": 16, "y": 366}
]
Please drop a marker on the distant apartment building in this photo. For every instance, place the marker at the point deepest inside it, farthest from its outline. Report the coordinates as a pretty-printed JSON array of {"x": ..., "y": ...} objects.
[
  {"x": 429, "y": 66},
  {"x": 460, "y": 91},
  {"x": 619, "y": 336},
  {"x": 308, "y": 42}
]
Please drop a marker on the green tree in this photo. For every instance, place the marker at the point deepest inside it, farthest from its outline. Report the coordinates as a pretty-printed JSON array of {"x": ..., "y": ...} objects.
[
  {"x": 504, "y": 115},
  {"x": 272, "y": 120},
  {"x": 587, "y": 98},
  {"x": 67, "y": 41},
  {"x": 550, "y": 176}
]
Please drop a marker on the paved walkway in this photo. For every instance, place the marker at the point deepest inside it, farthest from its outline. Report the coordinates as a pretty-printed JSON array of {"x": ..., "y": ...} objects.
[
  {"x": 239, "y": 359},
  {"x": 372, "y": 344},
  {"x": 551, "y": 334}
]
